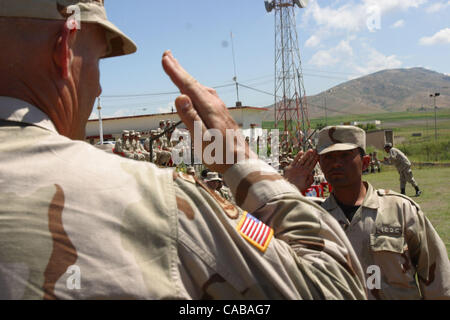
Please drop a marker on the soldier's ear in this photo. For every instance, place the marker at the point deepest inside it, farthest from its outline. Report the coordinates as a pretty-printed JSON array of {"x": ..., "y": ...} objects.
[
  {"x": 366, "y": 162},
  {"x": 63, "y": 53}
]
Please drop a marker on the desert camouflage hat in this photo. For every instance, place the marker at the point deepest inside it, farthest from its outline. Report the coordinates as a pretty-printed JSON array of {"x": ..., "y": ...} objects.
[
  {"x": 125, "y": 132},
  {"x": 341, "y": 138},
  {"x": 87, "y": 11},
  {"x": 212, "y": 176},
  {"x": 190, "y": 170}
]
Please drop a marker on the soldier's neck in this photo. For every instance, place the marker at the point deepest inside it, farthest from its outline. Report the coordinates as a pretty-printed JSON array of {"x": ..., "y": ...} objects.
[{"x": 352, "y": 195}]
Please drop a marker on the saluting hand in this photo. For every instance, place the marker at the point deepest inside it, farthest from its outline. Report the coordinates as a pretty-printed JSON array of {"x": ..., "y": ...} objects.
[
  {"x": 202, "y": 104},
  {"x": 300, "y": 171}
]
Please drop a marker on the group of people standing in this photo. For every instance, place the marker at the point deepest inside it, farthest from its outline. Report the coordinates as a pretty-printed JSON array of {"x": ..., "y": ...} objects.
[{"x": 157, "y": 148}]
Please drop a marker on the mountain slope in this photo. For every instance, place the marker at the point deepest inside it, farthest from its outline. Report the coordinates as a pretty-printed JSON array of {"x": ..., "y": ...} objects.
[{"x": 390, "y": 90}]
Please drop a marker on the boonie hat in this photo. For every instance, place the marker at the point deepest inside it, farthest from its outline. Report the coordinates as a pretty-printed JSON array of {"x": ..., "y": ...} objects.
[
  {"x": 213, "y": 176},
  {"x": 341, "y": 138},
  {"x": 88, "y": 11},
  {"x": 190, "y": 170}
]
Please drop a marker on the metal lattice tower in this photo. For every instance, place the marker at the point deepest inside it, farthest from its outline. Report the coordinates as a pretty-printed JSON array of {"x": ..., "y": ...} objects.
[{"x": 290, "y": 97}]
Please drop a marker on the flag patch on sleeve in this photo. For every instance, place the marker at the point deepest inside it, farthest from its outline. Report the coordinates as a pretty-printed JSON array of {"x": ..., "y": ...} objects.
[{"x": 255, "y": 232}]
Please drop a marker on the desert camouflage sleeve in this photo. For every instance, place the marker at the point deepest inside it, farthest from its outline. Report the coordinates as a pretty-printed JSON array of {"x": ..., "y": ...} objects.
[
  {"x": 429, "y": 254},
  {"x": 323, "y": 251}
]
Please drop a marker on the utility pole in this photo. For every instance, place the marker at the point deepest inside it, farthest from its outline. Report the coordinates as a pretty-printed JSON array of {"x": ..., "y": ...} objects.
[
  {"x": 100, "y": 123},
  {"x": 437, "y": 94},
  {"x": 238, "y": 102}
]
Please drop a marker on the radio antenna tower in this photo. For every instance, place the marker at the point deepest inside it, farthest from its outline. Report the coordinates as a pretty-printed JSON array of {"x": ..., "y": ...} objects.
[{"x": 290, "y": 97}]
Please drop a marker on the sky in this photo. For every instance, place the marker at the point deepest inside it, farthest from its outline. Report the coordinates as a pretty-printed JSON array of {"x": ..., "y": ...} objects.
[{"x": 339, "y": 40}]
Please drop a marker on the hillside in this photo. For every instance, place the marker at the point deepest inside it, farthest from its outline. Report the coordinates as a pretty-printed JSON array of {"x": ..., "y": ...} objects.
[{"x": 391, "y": 90}]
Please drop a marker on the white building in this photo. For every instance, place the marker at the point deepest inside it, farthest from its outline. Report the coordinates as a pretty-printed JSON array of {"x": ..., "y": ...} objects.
[
  {"x": 375, "y": 122},
  {"x": 245, "y": 117}
]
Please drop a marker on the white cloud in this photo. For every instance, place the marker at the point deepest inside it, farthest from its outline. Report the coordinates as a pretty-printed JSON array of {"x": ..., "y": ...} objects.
[
  {"x": 442, "y": 36},
  {"x": 347, "y": 17},
  {"x": 398, "y": 24},
  {"x": 313, "y": 41},
  {"x": 167, "y": 109},
  {"x": 378, "y": 61},
  {"x": 352, "y": 16},
  {"x": 322, "y": 58},
  {"x": 390, "y": 5},
  {"x": 121, "y": 113},
  {"x": 436, "y": 7}
]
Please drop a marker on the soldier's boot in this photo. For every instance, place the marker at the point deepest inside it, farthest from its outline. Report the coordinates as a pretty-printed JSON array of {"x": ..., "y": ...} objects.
[
  {"x": 418, "y": 192},
  {"x": 402, "y": 191}
]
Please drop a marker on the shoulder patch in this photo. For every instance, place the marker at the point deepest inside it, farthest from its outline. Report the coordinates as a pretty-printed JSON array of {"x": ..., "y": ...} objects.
[{"x": 255, "y": 231}]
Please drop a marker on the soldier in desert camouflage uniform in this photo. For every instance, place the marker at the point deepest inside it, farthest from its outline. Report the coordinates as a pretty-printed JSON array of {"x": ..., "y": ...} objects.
[
  {"x": 139, "y": 149},
  {"x": 403, "y": 166},
  {"x": 388, "y": 231},
  {"x": 161, "y": 126},
  {"x": 120, "y": 143},
  {"x": 127, "y": 229}
]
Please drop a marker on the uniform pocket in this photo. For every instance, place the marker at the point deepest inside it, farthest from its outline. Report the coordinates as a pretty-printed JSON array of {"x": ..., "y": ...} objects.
[{"x": 387, "y": 243}]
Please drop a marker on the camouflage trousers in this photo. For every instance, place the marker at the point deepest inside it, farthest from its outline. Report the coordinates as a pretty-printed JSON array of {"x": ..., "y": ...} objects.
[{"x": 406, "y": 175}]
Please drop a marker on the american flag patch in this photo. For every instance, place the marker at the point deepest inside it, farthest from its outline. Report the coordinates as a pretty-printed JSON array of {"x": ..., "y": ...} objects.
[{"x": 255, "y": 232}]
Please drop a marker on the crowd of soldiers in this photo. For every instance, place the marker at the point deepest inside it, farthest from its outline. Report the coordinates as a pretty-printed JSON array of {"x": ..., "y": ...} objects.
[{"x": 157, "y": 148}]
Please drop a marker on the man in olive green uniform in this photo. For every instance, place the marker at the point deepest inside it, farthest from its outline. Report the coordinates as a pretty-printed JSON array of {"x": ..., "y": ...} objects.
[
  {"x": 79, "y": 223},
  {"x": 392, "y": 237},
  {"x": 403, "y": 166}
]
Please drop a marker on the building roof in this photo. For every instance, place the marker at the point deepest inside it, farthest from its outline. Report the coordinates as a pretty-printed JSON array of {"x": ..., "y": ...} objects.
[{"x": 174, "y": 113}]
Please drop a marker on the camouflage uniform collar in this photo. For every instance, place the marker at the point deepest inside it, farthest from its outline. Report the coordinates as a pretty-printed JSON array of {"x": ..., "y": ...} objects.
[
  {"x": 12, "y": 109},
  {"x": 370, "y": 200}
]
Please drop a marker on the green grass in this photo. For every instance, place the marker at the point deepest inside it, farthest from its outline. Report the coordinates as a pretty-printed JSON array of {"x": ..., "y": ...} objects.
[
  {"x": 386, "y": 117},
  {"x": 435, "y": 200},
  {"x": 404, "y": 124}
]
